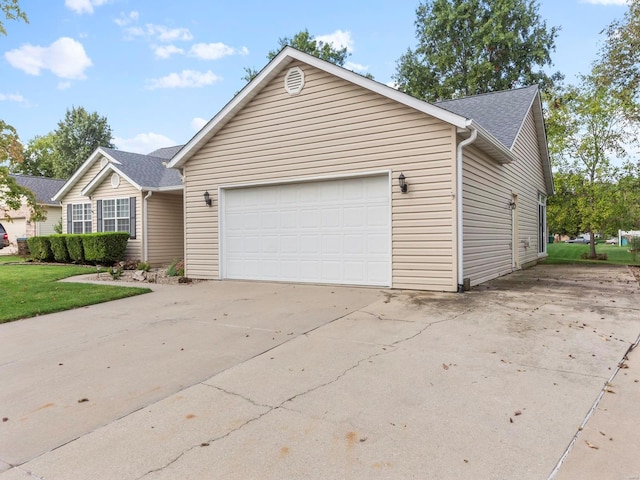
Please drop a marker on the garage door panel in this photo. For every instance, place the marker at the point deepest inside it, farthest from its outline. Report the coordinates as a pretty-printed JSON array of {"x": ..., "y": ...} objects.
[{"x": 334, "y": 231}]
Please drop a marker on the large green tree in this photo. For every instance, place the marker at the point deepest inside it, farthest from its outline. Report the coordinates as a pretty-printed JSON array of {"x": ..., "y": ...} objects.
[
  {"x": 588, "y": 128},
  {"x": 37, "y": 158},
  {"x": 468, "y": 47},
  {"x": 307, "y": 43},
  {"x": 619, "y": 62},
  {"x": 75, "y": 139}
]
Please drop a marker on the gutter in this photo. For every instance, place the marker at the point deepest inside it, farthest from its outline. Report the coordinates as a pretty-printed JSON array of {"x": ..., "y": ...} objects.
[
  {"x": 145, "y": 217},
  {"x": 459, "y": 219}
]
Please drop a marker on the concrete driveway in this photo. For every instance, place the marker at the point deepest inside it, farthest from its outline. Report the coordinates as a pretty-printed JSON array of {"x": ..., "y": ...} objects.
[{"x": 250, "y": 380}]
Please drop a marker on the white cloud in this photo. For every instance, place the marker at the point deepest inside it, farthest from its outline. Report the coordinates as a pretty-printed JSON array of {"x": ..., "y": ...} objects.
[
  {"x": 167, "y": 51},
  {"x": 160, "y": 33},
  {"x": 143, "y": 143},
  {"x": 125, "y": 20},
  {"x": 12, "y": 97},
  {"x": 185, "y": 79},
  {"x": 605, "y": 2},
  {"x": 197, "y": 123},
  {"x": 215, "y": 51},
  {"x": 356, "y": 67},
  {"x": 63, "y": 85},
  {"x": 65, "y": 58},
  {"x": 338, "y": 39},
  {"x": 83, "y": 6}
]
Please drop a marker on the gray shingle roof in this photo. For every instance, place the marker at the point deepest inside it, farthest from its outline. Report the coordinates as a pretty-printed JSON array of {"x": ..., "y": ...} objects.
[
  {"x": 499, "y": 113},
  {"x": 146, "y": 170},
  {"x": 42, "y": 187},
  {"x": 167, "y": 152}
]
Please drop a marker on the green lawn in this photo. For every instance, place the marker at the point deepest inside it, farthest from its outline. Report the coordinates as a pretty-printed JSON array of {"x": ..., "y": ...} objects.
[
  {"x": 31, "y": 290},
  {"x": 10, "y": 259},
  {"x": 570, "y": 253}
]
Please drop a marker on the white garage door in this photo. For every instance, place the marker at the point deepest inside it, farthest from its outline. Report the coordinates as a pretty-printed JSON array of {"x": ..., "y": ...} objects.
[{"x": 335, "y": 231}]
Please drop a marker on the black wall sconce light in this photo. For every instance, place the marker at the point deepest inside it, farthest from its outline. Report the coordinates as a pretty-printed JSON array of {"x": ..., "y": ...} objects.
[
  {"x": 207, "y": 199},
  {"x": 404, "y": 188},
  {"x": 512, "y": 205}
]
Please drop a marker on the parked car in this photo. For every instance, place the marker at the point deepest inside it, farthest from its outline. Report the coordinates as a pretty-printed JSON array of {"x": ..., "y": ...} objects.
[
  {"x": 4, "y": 237},
  {"x": 612, "y": 241},
  {"x": 577, "y": 240}
]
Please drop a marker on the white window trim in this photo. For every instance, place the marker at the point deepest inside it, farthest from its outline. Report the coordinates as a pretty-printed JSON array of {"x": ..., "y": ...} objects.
[
  {"x": 116, "y": 217},
  {"x": 542, "y": 235},
  {"x": 85, "y": 218}
]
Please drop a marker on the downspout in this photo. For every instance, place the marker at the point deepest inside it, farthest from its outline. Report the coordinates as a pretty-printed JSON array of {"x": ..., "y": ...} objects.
[
  {"x": 145, "y": 224},
  {"x": 459, "y": 219}
]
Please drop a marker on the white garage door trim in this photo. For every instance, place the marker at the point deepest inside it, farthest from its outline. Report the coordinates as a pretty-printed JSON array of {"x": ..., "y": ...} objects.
[{"x": 370, "y": 275}]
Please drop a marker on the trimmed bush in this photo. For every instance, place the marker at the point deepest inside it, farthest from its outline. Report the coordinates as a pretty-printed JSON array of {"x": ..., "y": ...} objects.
[
  {"x": 59, "y": 248},
  {"x": 74, "y": 247},
  {"x": 105, "y": 248},
  {"x": 40, "y": 248}
]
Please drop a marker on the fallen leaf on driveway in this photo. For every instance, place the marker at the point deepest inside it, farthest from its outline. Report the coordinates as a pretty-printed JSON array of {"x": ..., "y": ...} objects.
[
  {"x": 82, "y": 400},
  {"x": 591, "y": 445},
  {"x": 609, "y": 390},
  {"x": 445, "y": 366},
  {"x": 517, "y": 412}
]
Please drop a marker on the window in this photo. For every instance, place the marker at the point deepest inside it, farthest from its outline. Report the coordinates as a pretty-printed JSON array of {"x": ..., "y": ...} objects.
[
  {"x": 542, "y": 223},
  {"x": 115, "y": 215},
  {"x": 80, "y": 218}
]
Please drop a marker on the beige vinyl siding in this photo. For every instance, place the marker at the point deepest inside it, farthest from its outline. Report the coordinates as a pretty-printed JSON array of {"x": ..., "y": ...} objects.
[
  {"x": 74, "y": 196},
  {"x": 334, "y": 128},
  {"x": 125, "y": 190},
  {"x": 165, "y": 228},
  {"x": 488, "y": 188},
  {"x": 529, "y": 179},
  {"x": 54, "y": 214}
]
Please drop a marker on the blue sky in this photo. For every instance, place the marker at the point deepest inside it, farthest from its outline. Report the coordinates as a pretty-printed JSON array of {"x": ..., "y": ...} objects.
[{"x": 158, "y": 69}]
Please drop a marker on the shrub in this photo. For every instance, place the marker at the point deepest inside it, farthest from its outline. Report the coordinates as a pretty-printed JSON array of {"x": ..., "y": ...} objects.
[
  {"x": 104, "y": 247},
  {"x": 40, "y": 248},
  {"x": 74, "y": 247},
  {"x": 115, "y": 272},
  {"x": 176, "y": 269},
  {"x": 144, "y": 266},
  {"x": 59, "y": 248}
]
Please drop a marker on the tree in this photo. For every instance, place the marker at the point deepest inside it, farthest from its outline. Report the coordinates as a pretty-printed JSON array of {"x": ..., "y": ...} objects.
[
  {"x": 619, "y": 64},
  {"x": 305, "y": 42},
  {"x": 588, "y": 127},
  {"x": 37, "y": 158},
  {"x": 75, "y": 139},
  {"x": 13, "y": 195},
  {"x": 11, "y": 10},
  {"x": 468, "y": 47}
]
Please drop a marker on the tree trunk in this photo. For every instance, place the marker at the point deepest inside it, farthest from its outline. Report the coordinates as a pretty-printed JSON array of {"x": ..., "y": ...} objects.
[{"x": 592, "y": 245}]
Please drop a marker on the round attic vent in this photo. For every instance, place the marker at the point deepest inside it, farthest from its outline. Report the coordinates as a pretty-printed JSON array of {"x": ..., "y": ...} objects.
[
  {"x": 103, "y": 162},
  {"x": 115, "y": 180},
  {"x": 294, "y": 81}
]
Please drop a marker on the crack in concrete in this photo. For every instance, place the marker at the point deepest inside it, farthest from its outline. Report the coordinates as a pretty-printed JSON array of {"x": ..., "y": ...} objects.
[
  {"x": 235, "y": 394},
  {"x": 26, "y": 472},
  {"x": 386, "y": 319},
  {"x": 210, "y": 441}
]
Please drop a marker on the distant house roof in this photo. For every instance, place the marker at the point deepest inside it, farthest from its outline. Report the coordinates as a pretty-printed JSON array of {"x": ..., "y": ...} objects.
[
  {"x": 500, "y": 113},
  {"x": 42, "y": 187},
  {"x": 145, "y": 172}
]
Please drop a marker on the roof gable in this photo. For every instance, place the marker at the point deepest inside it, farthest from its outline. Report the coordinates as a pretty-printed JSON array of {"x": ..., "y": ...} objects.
[
  {"x": 144, "y": 172},
  {"x": 274, "y": 68},
  {"x": 42, "y": 187}
]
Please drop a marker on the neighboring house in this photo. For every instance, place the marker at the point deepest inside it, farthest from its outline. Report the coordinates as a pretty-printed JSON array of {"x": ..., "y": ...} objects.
[
  {"x": 303, "y": 168},
  {"x": 21, "y": 225},
  {"x": 122, "y": 191}
]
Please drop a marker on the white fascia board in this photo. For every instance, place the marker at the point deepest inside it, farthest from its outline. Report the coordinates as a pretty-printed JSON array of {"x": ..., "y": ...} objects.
[
  {"x": 503, "y": 153},
  {"x": 81, "y": 171},
  {"x": 162, "y": 189},
  {"x": 284, "y": 58},
  {"x": 102, "y": 175}
]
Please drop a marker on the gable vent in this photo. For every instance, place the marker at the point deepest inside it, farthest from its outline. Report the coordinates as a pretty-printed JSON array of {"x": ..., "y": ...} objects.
[{"x": 294, "y": 81}]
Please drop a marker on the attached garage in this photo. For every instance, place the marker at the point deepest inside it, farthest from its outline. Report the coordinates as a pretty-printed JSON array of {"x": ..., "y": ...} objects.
[
  {"x": 313, "y": 173},
  {"x": 329, "y": 231}
]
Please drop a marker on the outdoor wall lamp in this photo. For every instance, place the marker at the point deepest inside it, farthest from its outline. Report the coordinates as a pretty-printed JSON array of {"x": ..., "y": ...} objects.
[
  {"x": 403, "y": 184},
  {"x": 207, "y": 199},
  {"x": 512, "y": 205}
]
